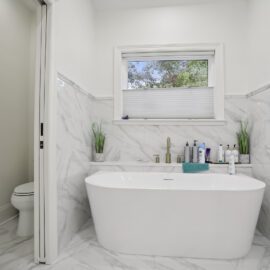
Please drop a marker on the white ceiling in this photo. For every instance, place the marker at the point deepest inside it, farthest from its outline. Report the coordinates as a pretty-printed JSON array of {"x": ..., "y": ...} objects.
[{"x": 122, "y": 4}]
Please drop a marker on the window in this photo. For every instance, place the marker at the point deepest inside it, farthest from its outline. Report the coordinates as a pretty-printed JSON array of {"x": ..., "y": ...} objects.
[
  {"x": 168, "y": 83},
  {"x": 149, "y": 74}
]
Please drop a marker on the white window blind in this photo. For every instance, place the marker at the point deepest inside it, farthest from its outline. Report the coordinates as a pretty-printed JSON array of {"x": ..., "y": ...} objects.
[{"x": 176, "y": 103}]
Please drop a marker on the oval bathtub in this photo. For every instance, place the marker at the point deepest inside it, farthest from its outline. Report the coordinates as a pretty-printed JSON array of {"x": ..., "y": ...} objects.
[{"x": 173, "y": 214}]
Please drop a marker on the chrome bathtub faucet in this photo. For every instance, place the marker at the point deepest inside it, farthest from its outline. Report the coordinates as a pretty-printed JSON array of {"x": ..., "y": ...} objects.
[{"x": 168, "y": 158}]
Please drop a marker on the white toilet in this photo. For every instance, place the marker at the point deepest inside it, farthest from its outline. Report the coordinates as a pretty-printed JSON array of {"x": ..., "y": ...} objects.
[{"x": 23, "y": 200}]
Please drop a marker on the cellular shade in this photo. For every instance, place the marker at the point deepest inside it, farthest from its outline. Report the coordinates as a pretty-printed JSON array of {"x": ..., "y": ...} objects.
[{"x": 176, "y": 103}]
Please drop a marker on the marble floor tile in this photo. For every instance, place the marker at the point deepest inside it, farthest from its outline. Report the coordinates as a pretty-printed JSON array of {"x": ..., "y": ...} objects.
[
  {"x": 85, "y": 253},
  {"x": 15, "y": 252}
]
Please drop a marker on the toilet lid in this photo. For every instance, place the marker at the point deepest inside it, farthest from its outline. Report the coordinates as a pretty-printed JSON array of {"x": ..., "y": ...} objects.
[{"x": 25, "y": 189}]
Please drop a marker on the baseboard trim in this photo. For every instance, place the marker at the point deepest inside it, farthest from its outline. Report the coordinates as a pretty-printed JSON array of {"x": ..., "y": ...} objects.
[{"x": 7, "y": 212}]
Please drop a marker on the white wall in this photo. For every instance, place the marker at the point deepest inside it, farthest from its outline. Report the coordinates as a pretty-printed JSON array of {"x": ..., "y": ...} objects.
[
  {"x": 259, "y": 43},
  {"x": 212, "y": 22},
  {"x": 31, "y": 92},
  {"x": 16, "y": 166},
  {"x": 85, "y": 38},
  {"x": 75, "y": 40}
]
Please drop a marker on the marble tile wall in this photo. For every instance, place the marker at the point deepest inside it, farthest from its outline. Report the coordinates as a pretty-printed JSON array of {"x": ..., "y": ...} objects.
[
  {"x": 140, "y": 143},
  {"x": 77, "y": 110},
  {"x": 260, "y": 151},
  {"x": 73, "y": 155}
]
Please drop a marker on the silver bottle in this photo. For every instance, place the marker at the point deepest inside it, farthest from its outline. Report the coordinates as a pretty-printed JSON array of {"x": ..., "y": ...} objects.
[
  {"x": 187, "y": 153},
  {"x": 195, "y": 152}
]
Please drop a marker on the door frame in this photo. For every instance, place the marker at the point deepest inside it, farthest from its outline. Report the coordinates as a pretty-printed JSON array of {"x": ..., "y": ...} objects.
[{"x": 45, "y": 204}]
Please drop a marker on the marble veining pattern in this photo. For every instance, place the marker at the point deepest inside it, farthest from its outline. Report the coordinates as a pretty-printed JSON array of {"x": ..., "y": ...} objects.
[
  {"x": 73, "y": 155},
  {"x": 260, "y": 151},
  {"x": 134, "y": 143},
  {"x": 16, "y": 253},
  {"x": 84, "y": 252},
  {"x": 77, "y": 110}
]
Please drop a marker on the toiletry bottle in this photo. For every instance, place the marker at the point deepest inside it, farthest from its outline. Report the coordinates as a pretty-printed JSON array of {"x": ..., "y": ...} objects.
[
  {"x": 207, "y": 155},
  {"x": 228, "y": 153},
  {"x": 236, "y": 154},
  {"x": 220, "y": 154},
  {"x": 202, "y": 153},
  {"x": 178, "y": 159},
  {"x": 231, "y": 167},
  {"x": 195, "y": 152},
  {"x": 187, "y": 153},
  {"x": 157, "y": 158}
]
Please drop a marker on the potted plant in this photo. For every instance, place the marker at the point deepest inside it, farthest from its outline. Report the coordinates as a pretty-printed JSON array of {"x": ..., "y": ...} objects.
[
  {"x": 99, "y": 141},
  {"x": 243, "y": 142}
]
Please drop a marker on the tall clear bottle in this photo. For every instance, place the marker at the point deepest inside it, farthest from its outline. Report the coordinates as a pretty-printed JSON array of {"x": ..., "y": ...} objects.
[
  {"x": 220, "y": 154},
  {"x": 228, "y": 153},
  {"x": 235, "y": 152},
  {"x": 195, "y": 152}
]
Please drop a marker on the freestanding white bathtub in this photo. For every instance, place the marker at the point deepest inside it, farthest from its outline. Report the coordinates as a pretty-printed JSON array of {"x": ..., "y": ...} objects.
[{"x": 171, "y": 214}]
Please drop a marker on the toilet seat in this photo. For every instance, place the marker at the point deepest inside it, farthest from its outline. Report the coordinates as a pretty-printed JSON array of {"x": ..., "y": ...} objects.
[{"x": 24, "y": 190}]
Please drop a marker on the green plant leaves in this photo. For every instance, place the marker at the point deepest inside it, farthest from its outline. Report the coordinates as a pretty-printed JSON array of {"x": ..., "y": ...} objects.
[
  {"x": 243, "y": 139},
  {"x": 99, "y": 137}
]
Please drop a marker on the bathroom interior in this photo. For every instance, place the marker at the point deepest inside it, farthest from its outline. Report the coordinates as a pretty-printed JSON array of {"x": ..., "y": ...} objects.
[{"x": 135, "y": 134}]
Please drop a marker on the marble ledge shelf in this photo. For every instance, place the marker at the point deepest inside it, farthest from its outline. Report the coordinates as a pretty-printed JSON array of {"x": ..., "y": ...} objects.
[{"x": 150, "y": 164}]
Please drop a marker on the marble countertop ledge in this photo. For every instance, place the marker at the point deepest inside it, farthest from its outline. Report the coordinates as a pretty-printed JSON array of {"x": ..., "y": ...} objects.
[{"x": 151, "y": 164}]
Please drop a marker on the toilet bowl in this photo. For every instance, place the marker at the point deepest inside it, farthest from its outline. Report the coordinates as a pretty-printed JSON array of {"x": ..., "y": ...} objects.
[{"x": 23, "y": 200}]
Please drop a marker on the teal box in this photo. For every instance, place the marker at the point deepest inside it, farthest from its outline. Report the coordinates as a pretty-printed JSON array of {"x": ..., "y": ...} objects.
[{"x": 195, "y": 167}]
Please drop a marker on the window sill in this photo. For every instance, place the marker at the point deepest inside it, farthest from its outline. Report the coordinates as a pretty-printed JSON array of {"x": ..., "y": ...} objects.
[{"x": 171, "y": 122}]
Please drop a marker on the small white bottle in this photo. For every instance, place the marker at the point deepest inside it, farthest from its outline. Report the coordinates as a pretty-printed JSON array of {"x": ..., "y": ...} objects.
[
  {"x": 236, "y": 154},
  {"x": 231, "y": 167},
  {"x": 228, "y": 153},
  {"x": 202, "y": 153},
  {"x": 220, "y": 154}
]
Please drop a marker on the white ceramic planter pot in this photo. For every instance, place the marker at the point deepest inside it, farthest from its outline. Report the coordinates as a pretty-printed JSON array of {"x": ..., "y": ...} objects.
[
  {"x": 244, "y": 159},
  {"x": 99, "y": 157}
]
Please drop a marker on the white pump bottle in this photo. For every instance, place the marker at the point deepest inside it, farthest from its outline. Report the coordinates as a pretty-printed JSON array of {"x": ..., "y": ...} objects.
[{"x": 231, "y": 167}]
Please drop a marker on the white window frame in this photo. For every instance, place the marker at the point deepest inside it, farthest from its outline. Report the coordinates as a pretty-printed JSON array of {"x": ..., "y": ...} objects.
[{"x": 216, "y": 81}]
